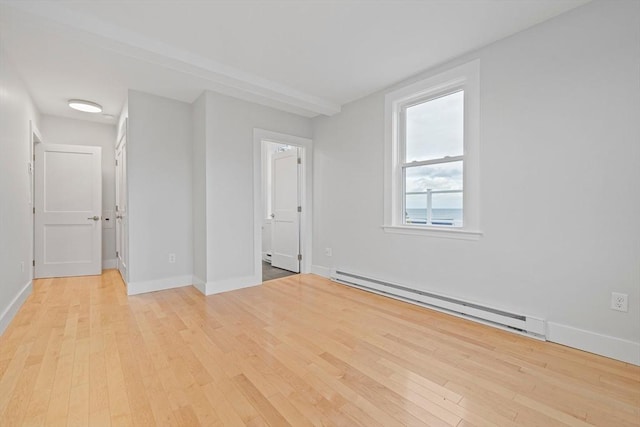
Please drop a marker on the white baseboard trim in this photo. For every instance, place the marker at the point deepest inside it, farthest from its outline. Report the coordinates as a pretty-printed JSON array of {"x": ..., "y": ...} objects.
[
  {"x": 108, "y": 264},
  {"x": 219, "y": 286},
  {"x": 200, "y": 285},
  {"x": 10, "y": 312},
  {"x": 135, "y": 288},
  {"x": 321, "y": 271},
  {"x": 604, "y": 345}
]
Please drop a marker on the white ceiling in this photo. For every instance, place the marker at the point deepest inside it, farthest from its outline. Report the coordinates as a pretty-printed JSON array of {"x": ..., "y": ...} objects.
[{"x": 306, "y": 57}]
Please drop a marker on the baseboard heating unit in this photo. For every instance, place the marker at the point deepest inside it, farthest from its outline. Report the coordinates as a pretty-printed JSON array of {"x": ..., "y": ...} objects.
[{"x": 519, "y": 323}]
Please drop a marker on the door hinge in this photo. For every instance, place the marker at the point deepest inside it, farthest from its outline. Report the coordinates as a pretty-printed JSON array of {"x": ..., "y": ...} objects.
[
  {"x": 34, "y": 210},
  {"x": 299, "y": 208},
  {"x": 116, "y": 163},
  {"x": 299, "y": 257},
  {"x": 116, "y": 208},
  {"x": 33, "y": 263},
  {"x": 117, "y": 254},
  {"x": 299, "y": 160}
]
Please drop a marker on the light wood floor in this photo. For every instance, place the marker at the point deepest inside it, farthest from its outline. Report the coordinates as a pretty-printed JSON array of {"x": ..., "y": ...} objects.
[{"x": 296, "y": 351}]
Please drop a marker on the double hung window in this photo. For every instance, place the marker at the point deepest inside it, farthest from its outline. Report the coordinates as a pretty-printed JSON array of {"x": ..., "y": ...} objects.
[
  {"x": 432, "y": 132},
  {"x": 432, "y": 153}
]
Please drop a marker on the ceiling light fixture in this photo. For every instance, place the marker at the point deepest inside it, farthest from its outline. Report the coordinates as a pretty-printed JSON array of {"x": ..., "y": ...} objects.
[{"x": 86, "y": 106}]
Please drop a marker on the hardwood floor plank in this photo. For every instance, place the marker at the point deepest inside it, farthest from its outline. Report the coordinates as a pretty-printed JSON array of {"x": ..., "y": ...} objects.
[
  {"x": 299, "y": 350},
  {"x": 259, "y": 401}
]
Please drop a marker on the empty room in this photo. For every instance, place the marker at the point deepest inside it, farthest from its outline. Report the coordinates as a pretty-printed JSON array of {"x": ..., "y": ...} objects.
[{"x": 293, "y": 213}]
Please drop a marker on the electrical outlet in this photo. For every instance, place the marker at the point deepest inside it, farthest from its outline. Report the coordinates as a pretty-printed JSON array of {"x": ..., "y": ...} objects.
[
  {"x": 328, "y": 252},
  {"x": 619, "y": 302},
  {"x": 172, "y": 258}
]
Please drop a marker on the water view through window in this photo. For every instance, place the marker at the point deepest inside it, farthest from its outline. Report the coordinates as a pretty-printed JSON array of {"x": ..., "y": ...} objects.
[{"x": 433, "y": 168}]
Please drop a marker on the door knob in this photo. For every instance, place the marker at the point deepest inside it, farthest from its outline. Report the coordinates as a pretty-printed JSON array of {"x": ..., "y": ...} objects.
[{"x": 95, "y": 218}]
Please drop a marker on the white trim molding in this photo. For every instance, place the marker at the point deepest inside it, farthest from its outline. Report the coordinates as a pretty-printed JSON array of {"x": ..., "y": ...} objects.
[
  {"x": 109, "y": 264},
  {"x": 10, "y": 312},
  {"x": 593, "y": 342},
  {"x": 200, "y": 285},
  {"x": 135, "y": 288},
  {"x": 227, "y": 285},
  {"x": 320, "y": 270},
  {"x": 464, "y": 77},
  {"x": 450, "y": 233}
]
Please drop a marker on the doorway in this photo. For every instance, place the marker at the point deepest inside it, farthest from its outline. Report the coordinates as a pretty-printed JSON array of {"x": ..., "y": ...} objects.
[
  {"x": 122, "y": 222},
  {"x": 36, "y": 138},
  {"x": 67, "y": 208},
  {"x": 282, "y": 197}
]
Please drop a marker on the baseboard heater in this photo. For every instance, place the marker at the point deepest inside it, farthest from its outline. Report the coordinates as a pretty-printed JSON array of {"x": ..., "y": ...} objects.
[{"x": 513, "y": 322}]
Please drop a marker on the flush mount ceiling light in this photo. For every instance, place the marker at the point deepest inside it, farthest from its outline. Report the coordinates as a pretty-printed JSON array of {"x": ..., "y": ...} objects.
[{"x": 86, "y": 106}]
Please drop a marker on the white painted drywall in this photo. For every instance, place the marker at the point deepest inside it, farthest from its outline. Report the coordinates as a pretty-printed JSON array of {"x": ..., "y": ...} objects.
[
  {"x": 16, "y": 229},
  {"x": 229, "y": 187},
  {"x": 198, "y": 116},
  {"x": 159, "y": 167},
  {"x": 560, "y": 166},
  {"x": 59, "y": 130}
]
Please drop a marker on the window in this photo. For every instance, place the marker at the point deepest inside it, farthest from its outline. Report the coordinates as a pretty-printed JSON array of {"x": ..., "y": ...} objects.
[{"x": 431, "y": 156}]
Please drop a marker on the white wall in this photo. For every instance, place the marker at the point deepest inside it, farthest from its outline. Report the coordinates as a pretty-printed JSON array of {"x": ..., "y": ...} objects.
[
  {"x": 58, "y": 130},
  {"x": 159, "y": 150},
  {"x": 198, "y": 115},
  {"x": 229, "y": 186},
  {"x": 560, "y": 165},
  {"x": 16, "y": 229}
]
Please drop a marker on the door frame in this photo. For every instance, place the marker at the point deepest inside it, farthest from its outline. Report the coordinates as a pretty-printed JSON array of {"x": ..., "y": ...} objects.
[
  {"x": 35, "y": 137},
  {"x": 269, "y": 157},
  {"x": 306, "y": 195},
  {"x": 123, "y": 232}
]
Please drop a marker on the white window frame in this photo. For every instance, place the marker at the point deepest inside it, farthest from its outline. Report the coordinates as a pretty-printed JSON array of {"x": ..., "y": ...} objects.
[{"x": 464, "y": 77}]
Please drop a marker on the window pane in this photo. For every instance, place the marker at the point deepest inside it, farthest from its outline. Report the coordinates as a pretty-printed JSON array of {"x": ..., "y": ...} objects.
[
  {"x": 435, "y": 128},
  {"x": 446, "y": 209},
  {"x": 433, "y": 194},
  {"x": 441, "y": 176},
  {"x": 416, "y": 209}
]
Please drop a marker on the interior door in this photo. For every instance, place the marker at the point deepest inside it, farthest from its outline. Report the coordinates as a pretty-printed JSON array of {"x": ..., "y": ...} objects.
[
  {"x": 285, "y": 239},
  {"x": 68, "y": 204},
  {"x": 121, "y": 209}
]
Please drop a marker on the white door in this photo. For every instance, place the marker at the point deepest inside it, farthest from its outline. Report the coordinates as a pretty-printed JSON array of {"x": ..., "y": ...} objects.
[
  {"x": 68, "y": 205},
  {"x": 121, "y": 208},
  {"x": 285, "y": 239}
]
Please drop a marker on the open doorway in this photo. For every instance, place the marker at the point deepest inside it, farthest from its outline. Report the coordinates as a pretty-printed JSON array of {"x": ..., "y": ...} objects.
[
  {"x": 282, "y": 198},
  {"x": 36, "y": 138},
  {"x": 281, "y": 203},
  {"x": 66, "y": 201},
  {"x": 122, "y": 220}
]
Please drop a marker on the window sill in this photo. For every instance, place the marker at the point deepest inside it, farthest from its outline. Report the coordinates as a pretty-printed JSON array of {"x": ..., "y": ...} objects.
[{"x": 446, "y": 233}]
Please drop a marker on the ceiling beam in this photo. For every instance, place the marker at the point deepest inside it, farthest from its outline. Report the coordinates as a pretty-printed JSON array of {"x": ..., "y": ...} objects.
[{"x": 222, "y": 78}]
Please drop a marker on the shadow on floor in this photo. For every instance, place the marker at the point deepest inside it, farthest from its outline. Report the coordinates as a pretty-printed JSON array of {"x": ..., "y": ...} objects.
[{"x": 270, "y": 273}]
